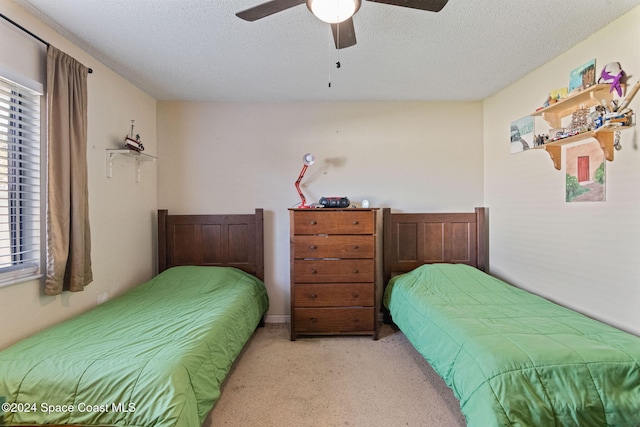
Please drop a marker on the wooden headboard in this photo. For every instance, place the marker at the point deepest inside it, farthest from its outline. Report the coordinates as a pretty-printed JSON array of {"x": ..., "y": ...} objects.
[
  {"x": 213, "y": 240},
  {"x": 413, "y": 239}
]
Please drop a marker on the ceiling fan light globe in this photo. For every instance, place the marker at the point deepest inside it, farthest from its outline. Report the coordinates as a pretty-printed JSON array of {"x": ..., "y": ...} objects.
[
  {"x": 308, "y": 159},
  {"x": 333, "y": 11}
]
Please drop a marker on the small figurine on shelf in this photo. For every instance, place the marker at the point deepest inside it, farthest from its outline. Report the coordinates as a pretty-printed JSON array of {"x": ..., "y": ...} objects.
[
  {"x": 131, "y": 143},
  {"x": 612, "y": 73},
  {"x": 557, "y": 95},
  {"x": 540, "y": 140},
  {"x": 595, "y": 117}
]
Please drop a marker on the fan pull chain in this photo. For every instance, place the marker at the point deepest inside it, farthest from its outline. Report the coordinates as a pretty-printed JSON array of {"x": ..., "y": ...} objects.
[
  {"x": 330, "y": 61},
  {"x": 338, "y": 47},
  {"x": 329, "y": 71},
  {"x": 338, "y": 64}
]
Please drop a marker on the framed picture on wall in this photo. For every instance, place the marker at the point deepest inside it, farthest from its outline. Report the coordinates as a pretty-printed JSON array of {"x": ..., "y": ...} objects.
[
  {"x": 522, "y": 134},
  {"x": 583, "y": 76},
  {"x": 585, "y": 173}
]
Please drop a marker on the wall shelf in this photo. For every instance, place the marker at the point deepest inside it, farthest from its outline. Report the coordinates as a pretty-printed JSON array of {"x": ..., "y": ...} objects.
[
  {"x": 598, "y": 94},
  {"x": 604, "y": 136},
  {"x": 139, "y": 157},
  {"x": 591, "y": 96}
]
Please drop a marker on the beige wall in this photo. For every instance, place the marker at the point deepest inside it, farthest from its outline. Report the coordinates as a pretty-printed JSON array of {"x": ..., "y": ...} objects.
[
  {"x": 584, "y": 255},
  {"x": 227, "y": 158},
  {"x": 122, "y": 212}
]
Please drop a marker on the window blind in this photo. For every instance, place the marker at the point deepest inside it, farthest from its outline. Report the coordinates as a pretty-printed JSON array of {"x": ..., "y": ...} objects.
[{"x": 20, "y": 183}]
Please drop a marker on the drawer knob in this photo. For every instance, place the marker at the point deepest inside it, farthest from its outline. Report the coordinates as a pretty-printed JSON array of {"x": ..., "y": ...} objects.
[
  {"x": 314, "y": 271},
  {"x": 313, "y": 320},
  {"x": 313, "y": 296},
  {"x": 356, "y": 222},
  {"x": 313, "y": 247},
  {"x": 356, "y": 271},
  {"x": 356, "y": 247},
  {"x": 313, "y": 222},
  {"x": 355, "y": 295}
]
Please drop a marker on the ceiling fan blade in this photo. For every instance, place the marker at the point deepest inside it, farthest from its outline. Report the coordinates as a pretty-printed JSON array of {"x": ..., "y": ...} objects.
[
  {"x": 344, "y": 35},
  {"x": 268, "y": 8},
  {"x": 428, "y": 5}
]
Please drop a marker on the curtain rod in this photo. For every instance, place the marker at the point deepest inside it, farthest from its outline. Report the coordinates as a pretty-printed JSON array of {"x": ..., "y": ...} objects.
[{"x": 30, "y": 33}]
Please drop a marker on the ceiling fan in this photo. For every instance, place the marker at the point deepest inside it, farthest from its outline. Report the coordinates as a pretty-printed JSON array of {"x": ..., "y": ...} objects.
[{"x": 338, "y": 13}]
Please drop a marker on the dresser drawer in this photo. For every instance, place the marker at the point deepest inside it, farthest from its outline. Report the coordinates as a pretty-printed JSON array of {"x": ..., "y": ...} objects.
[
  {"x": 358, "y": 246},
  {"x": 317, "y": 221},
  {"x": 333, "y": 295},
  {"x": 333, "y": 320},
  {"x": 333, "y": 271}
]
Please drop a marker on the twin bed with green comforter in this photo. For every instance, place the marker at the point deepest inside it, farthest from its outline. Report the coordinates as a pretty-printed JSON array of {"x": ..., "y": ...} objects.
[
  {"x": 158, "y": 354},
  {"x": 512, "y": 358}
]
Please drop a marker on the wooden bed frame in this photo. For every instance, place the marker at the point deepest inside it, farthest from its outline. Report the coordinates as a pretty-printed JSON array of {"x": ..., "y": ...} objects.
[
  {"x": 212, "y": 240},
  {"x": 478, "y": 334},
  {"x": 413, "y": 239}
]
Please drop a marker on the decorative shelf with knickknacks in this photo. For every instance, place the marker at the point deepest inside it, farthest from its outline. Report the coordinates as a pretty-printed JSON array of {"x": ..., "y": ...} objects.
[
  {"x": 595, "y": 112},
  {"x": 132, "y": 148}
]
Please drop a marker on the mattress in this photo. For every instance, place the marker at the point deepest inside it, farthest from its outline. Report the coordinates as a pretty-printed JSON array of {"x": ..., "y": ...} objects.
[
  {"x": 155, "y": 356},
  {"x": 512, "y": 357}
]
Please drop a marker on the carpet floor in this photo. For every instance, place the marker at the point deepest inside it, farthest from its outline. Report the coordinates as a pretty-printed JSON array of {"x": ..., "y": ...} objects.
[{"x": 333, "y": 381}]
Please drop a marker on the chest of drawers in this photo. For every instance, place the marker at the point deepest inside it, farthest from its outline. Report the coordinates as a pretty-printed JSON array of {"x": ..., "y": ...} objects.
[{"x": 333, "y": 272}]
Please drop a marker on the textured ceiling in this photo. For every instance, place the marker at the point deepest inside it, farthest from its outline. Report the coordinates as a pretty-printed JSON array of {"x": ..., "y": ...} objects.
[{"x": 199, "y": 50}]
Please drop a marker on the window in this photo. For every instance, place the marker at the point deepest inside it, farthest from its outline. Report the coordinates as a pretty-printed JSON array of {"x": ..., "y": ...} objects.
[{"x": 20, "y": 183}]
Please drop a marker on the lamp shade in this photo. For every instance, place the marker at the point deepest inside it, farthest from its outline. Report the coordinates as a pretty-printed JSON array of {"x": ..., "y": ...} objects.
[{"x": 333, "y": 11}]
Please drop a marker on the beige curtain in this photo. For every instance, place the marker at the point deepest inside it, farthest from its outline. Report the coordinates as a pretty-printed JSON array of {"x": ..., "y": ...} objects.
[{"x": 68, "y": 235}]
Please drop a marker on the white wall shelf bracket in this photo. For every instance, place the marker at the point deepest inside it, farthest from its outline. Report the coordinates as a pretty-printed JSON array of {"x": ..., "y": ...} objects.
[{"x": 140, "y": 158}]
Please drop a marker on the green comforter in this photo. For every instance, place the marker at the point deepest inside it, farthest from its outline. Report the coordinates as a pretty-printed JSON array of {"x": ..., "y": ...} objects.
[
  {"x": 156, "y": 356},
  {"x": 513, "y": 358}
]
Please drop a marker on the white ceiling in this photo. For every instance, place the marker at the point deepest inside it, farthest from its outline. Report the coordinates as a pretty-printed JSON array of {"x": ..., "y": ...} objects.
[{"x": 199, "y": 50}]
